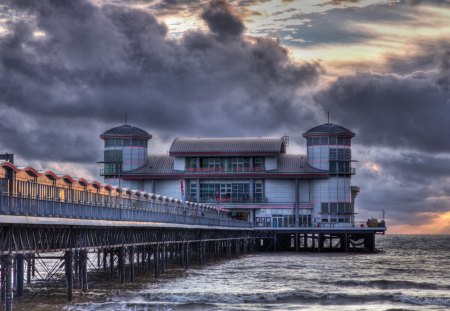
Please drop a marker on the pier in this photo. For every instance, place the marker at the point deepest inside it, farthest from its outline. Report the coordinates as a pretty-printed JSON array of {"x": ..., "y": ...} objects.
[{"x": 71, "y": 228}]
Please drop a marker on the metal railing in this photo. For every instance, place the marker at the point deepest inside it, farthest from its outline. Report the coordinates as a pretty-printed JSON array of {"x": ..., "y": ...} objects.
[
  {"x": 220, "y": 170},
  {"x": 157, "y": 212},
  {"x": 351, "y": 171},
  {"x": 242, "y": 200}
]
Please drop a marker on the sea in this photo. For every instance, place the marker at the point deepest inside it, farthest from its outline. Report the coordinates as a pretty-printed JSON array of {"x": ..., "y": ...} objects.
[{"x": 408, "y": 272}]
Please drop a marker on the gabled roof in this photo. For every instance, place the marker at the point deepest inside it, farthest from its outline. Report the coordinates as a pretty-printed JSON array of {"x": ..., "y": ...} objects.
[
  {"x": 329, "y": 129},
  {"x": 157, "y": 164},
  {"x": 183, "y": 146},
  {"x": 125, "y": 131},
  {"x": 295, "y": 163}
]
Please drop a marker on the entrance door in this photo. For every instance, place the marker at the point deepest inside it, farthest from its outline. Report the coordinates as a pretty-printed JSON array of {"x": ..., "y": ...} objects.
[{"x": 277, "y": 221}]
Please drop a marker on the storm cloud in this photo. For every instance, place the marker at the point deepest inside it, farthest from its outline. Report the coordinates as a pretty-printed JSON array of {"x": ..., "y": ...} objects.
[
  {"x": 89, "y": 64},
  {"x": 409, "y": 111}
]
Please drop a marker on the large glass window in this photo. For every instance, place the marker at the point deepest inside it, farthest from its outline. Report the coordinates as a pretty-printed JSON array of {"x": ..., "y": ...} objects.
[
  {"x": 226, "y": 192},
  {"x": 113, "y": 156}
]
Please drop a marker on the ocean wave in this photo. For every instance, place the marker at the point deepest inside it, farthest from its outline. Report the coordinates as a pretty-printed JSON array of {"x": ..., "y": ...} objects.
[
  {"x": 422, "y": 301},
  {"x": 390, "y": 284}
]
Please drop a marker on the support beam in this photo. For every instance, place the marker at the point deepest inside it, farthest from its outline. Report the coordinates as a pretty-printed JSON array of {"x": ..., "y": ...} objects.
[
  {"x": 121, "y": 264},
  {"x": 131, "y": 263},
  {"x": 68, "y": 261},
  {"x": 7, "y": 262},
  {"x": 19, "y": 274}
]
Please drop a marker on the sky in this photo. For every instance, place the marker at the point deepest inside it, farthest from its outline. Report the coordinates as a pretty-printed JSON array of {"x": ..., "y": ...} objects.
[{"x": 70, "y": 70}]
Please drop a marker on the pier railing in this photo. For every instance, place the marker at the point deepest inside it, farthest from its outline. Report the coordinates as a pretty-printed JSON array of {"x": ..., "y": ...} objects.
[{"x": 152, "y": 212}]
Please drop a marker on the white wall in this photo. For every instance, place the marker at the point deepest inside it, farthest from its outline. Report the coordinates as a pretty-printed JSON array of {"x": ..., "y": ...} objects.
[
  {"x": 335, "y": 189},
  {"x": 168, "y": 187},
  {"x": 179, "y": 163},
  {"x": 280, "y": 190},
  {"x": 270, "y": 163},
  {"x": 148, "y": 186},
  {"x": 304, "y": 191}
]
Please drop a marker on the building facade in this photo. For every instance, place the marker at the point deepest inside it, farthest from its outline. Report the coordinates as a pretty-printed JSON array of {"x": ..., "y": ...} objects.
[{"x": 254, "y": 178}]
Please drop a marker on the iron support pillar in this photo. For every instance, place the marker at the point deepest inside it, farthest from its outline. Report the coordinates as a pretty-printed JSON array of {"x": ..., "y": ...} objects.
[
  {"x": 84, "y": 259},
  {"x": 111, "y": 263},
  {"x": 156, "y": 260},
  {"x": 7, "y": 261},
  {"x": 28, "y": 270},
  {"x": 121, "y": 263},
  {"x": 68, "y": 261},
  {"x": 131, "y": 260},
  {"x": 19, "y": 274}
]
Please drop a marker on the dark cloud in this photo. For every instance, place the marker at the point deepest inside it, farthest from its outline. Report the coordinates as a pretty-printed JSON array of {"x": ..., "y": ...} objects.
[
  {"x": 95, "y": 63},
  {"x": 404, "y": 184},
  {"x": 221, "y": 20},
  {"x": 409, "y": 111}
]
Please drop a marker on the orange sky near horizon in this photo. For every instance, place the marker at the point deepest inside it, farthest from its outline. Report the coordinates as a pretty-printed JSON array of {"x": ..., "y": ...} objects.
[{"x": 439, "y": 224}]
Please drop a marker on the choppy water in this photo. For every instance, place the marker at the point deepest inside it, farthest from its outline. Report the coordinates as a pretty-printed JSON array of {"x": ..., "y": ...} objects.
[{"x": 411, "y": 273}]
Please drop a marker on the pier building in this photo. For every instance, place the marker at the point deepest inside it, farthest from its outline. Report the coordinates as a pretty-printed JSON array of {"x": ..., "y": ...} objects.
[{"x": 254, "y": 178}]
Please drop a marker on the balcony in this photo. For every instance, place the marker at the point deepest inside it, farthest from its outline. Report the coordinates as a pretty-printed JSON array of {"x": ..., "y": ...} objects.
[
  {"x": 350, "y": 171},
  {"x": 110, "y": 171},
  {"x": 222, "y": 170},
  {"x": 212, "y": 200}
]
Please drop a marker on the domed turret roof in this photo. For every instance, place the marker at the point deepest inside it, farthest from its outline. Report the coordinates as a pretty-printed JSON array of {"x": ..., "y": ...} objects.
[
  {"x": 329, "y": 129},
  {"x": 125, "y": 131}
]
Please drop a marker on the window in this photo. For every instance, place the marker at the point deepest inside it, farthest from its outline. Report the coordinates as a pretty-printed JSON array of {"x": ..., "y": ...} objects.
[
  {"x": 240, "y": 164},
  {"x": 191, "y": 163},
  {"x": 258, "y": 192},
  {"x": 113, "y": 143},
  {"x": 332, "y": 140},
  {"x": 333, "y": 208},
  {"x": 225, "y": 192},
  {"x": 344, "y": 141},
  {"x": 333, "y": 154},
  {"x": 324, "y": 140},
  {"x": 324, "y": 208},
  {"x": 214, "y": 164},
  {"x": 258, "y": 163},
  {"x": 316, "y": 140},
  {"x": 192, "y": 191},
  {"x": 113, "y": 156}
]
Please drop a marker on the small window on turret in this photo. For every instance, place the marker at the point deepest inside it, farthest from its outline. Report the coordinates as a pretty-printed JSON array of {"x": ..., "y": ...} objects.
[
  {"x": 324, "y": 140},
  {"x": 332, "y": 140}
]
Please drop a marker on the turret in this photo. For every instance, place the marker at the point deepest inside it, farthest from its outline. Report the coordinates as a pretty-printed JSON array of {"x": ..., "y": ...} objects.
[
  {"x": 125, "y": 150},
  {"x": 329, "y": 148}
]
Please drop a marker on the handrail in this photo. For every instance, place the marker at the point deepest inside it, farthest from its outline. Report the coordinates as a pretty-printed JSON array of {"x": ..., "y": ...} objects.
[{"x": 154, "y": 212}]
